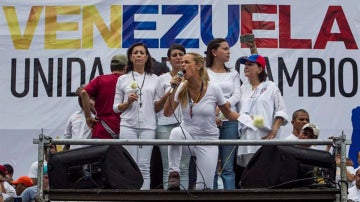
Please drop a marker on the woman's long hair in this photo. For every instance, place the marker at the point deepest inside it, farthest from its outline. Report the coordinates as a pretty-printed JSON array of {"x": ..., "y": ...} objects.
[
  {"x": 213, "y": 45},
  {"x": 183, "y": 94},
  {"x": 262, "y": 75},
  {"x": 148, "y": 64}
]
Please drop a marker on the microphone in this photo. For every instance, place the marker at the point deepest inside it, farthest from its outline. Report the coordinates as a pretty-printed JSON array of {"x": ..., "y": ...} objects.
[{"x": 179, "y": 74}]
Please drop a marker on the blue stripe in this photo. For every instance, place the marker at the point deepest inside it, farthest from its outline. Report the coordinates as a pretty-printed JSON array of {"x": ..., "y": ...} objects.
[{"x": 355, "y": 137}]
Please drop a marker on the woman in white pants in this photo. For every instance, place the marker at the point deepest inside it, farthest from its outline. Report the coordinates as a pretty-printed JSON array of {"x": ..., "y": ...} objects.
[
  {"x": 166, "y": 124},
  {"x": 217, "y": 55},
  {"x": 135, "y": 97},
  {"x": 198, "y": 100}
]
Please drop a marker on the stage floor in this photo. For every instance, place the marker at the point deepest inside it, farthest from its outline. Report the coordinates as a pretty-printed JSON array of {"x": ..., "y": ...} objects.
[{"x": 296, "y": 194}]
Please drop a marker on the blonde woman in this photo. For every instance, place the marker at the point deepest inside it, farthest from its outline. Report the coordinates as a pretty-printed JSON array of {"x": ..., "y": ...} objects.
[
  {"x": 197, "y": 99},
  {"x": 166, "y": 124}
]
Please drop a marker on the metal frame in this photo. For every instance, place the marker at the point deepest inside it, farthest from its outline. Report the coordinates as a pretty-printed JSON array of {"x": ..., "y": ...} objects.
[{"x": 44, "y": 143}]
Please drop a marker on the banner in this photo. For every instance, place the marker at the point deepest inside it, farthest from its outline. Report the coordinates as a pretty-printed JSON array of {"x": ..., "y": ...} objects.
[{"x": 49, "y": 49}]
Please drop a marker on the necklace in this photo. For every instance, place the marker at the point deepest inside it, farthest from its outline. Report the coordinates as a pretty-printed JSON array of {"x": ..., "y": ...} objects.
[
  {"x": 140, "y": 88},
  {"x": 191, "y": 103}
]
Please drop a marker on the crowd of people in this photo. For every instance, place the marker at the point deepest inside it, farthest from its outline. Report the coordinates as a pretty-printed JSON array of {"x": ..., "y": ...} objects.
[
  {"x": 22, "y": 189},
  {"x": 198, "y": 98}
]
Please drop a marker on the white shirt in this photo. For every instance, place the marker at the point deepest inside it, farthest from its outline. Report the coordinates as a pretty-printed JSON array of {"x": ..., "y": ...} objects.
[
  {"x": 202, "y": 124},
  {"x": 354, "y": 194},
  {"x": 164, "y": 82},
  {"x": 148, "y": 92},
  {"x": 229, "y": 83},
  {"x": 292, "y": 137},
  {"x": 10, "y": 190},
  {"x": 76, "y": 128},
  {"x": 338, "y": 175},
  {"x": 265, "y": 101}
]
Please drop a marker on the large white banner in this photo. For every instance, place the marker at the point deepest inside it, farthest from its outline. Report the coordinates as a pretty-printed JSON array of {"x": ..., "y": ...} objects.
[{"x": 49, "y": 49}]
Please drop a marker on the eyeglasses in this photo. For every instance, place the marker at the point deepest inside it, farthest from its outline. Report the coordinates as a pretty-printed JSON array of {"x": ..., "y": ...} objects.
[
  {"x": 177, "y": 54},
  {"x": 2, "y": 181}
]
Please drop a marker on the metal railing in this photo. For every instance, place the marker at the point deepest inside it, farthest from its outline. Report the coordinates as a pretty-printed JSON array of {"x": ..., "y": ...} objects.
[{"x": 45, "y": 142}]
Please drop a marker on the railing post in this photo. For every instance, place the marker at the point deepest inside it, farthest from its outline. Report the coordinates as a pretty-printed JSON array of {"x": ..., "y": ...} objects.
[
  {"x": 43, "y": 146},
  {"x": 343, "y": 181},
  {"x": 40, "y": 169}
]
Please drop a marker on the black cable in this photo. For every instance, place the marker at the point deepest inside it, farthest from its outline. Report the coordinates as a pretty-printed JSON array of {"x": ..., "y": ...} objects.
[
  {"x": 234, "y": 149},
  {"x": 328, "y": 181},
  {"x": 290, "y": 182}
]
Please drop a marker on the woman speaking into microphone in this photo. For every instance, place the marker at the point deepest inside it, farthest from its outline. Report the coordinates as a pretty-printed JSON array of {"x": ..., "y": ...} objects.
[{"x": 197, "y": 99}]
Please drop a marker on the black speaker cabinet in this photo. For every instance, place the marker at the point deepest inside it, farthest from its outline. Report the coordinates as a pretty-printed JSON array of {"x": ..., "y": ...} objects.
[
  {"x": 285, "y": 166},
  {"x": 107, "y": 167}
]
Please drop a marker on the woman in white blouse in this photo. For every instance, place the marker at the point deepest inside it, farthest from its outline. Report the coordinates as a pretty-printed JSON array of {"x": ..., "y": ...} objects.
[
  {"x": 197, "y": 99},
  {"x": 135, "y": 97},
  {"x": 262, "y": 100},
  {"x": 217, "y": 54}
]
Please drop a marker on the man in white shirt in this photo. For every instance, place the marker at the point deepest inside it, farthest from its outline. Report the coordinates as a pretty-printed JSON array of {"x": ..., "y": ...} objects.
[
  {"x": 354, "y": 191},
  {"x": 300, "y": 117},
  {"x": 76, "y": 127}
]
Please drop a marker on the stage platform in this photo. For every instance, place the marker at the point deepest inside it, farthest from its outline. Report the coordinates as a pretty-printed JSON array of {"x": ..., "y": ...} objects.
[{"x": 296, "y": 194}]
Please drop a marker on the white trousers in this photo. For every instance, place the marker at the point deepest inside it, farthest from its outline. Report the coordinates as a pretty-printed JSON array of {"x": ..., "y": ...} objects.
[
  {"x": 206, "y": 157},
  {"x": 163, "y": 132},
  {"x": 140, "y": 154}
]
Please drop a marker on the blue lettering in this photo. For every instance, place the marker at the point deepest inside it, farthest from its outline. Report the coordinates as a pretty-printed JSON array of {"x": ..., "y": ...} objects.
[
  {"x": 188, "y": 13},
  {"x": 129, "y": 25},
  {"x": 233, "y": 24}
]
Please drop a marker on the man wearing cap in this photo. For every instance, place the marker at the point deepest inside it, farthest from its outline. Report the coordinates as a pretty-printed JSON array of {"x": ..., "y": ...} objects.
[
  {"x": 102, "y": 90},
  {"x": 309, "y": 131},
  {"x": 262, "y": 100},
  {"x": 6, "y": 190},
  {"x": 21, "y": 184}
]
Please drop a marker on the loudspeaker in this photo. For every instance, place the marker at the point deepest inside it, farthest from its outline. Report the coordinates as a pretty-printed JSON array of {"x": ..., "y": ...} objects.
[
  {"x": 107, "y": 167},
  {"x": 283, "y": 166}
]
